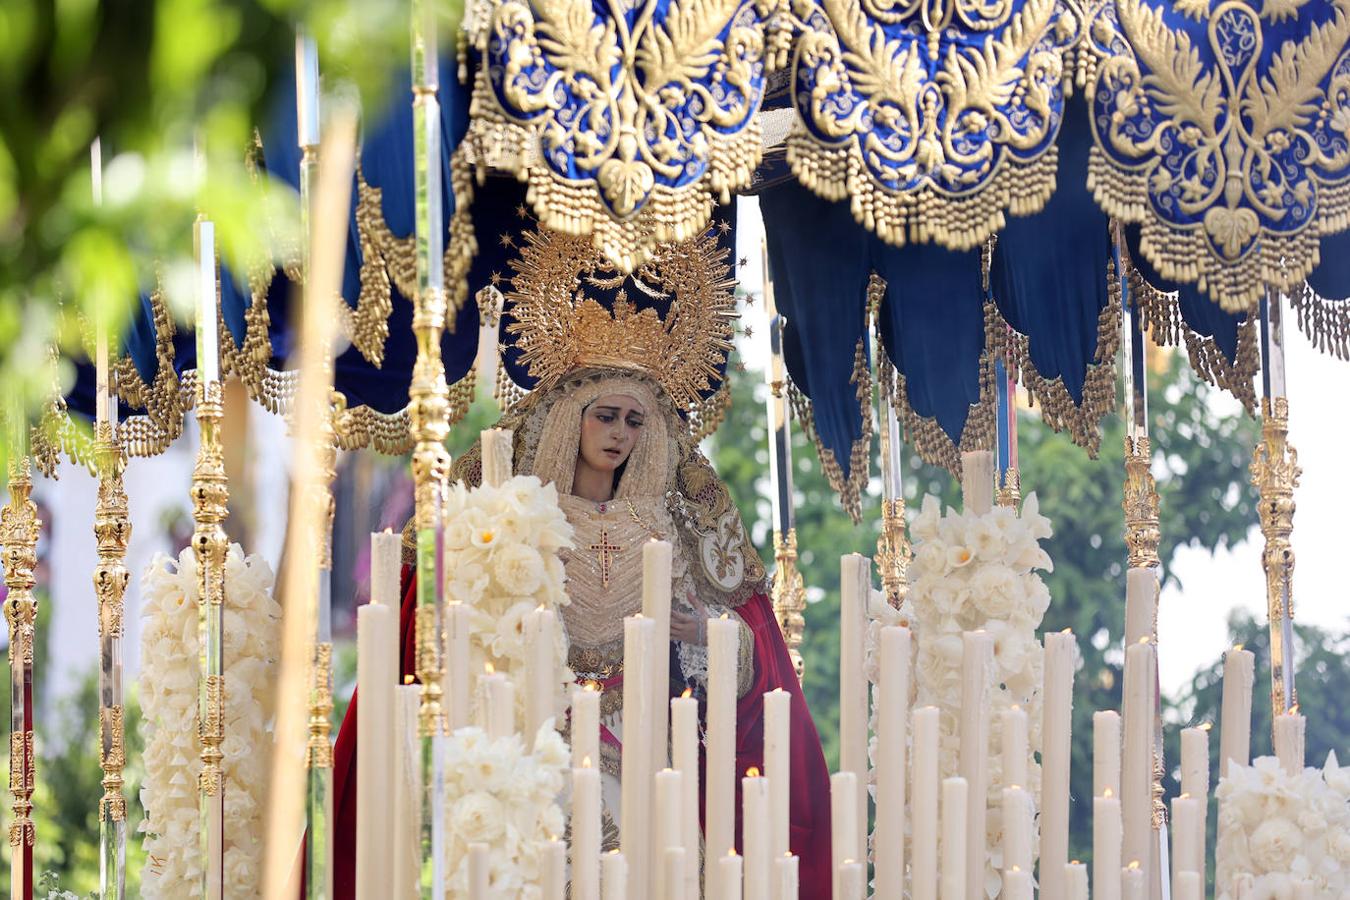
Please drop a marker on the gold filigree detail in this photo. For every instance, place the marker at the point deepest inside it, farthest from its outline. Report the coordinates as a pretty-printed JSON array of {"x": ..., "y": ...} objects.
[
  {"x": 211, "y": 733},
  {"x": 624, "y": 132},
  {"x": 1275, "y": 473},
  {"x": 929, "y": 157},
  {"x": 319, "y": 749},
  {"x": 1234, "y": 160},
  {"x": 1010, "y": 492},
  {"x": 19, "y": 530},
  {"x": 114, "y": 758},
  {"x": 112, "y": 531},
  {"x": 789, "y": 596},
  {"x": 22, "y": 780},
  {"x": 1142, "y": 532},
  {"x": 559, "y": 329}
]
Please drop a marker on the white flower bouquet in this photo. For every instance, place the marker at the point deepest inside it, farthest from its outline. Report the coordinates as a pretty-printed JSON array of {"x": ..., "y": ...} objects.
[
  {"x": 973, "y": 572},
  {"x": 168, "y": 691},
  {"x": 1277, "y": 829},
  {"x": 499, "y": 794},
  {"x": 501, "y": 560}
]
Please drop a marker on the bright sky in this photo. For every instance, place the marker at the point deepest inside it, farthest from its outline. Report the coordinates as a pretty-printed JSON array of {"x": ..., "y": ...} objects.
[{"x": 1191, "y": 620}]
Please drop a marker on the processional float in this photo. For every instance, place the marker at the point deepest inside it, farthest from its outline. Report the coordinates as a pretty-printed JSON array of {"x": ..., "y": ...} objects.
[{"x": 981, "y": 150}]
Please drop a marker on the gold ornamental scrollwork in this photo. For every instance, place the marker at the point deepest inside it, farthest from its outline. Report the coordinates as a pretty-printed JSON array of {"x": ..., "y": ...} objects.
[
  {"x": 893, "y": 552},
  {"x": 1010, "y": 492},
  {"x": 1275, "y": 473},
  {"x": 319, "y": 749},
  {"x": 1221, "y": 128},
  {"x": 789, "y": 596},
  {"x": 1142, "y": 532},
  {"x": 19, "y": 530},
  {"x": 933, "y": 118},
  {"x": 211, "y": 733},
  {"x": 112, "y": 531},
  {"x": 627, "y": 120},
  {"x": 22, "y": 780},
  {"x": 114, "y": 759},
  {"x": 210, "y": 497}
]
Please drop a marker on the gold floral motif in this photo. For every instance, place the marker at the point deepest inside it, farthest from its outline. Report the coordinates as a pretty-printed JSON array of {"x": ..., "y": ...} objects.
[
  {"x": 934, "y": 118},
  {"x": 1142, "y": 532},
  {"x": 625, "y": 123},
  {"x": 559, "y": 329},
  {"x": 1233, "y": 159},
  {"x": 789, "y": 596},
  {"x": 319, "y": 749},
  {"x": 1275, "y": 474}
]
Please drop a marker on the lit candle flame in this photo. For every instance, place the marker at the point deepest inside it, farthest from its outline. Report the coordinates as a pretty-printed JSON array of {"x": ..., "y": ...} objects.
[
  {"x": 488, "y": 667},
  {"x": 1185, "y": 795},
  {"x": 407, "y": 679},
  {"x": 1144, "y": 639},
  {"x": 1237, "y": 647},
  {"x": 1067, "y": 631},
  {"x": 752, "y": 772},
  {"x": 1206, "y": 726},
  {"x": 731, "y": 852},
  {"x": 586, "y": 762},
  {"x": 1017, "y": 868},
  {"x": 1107, "y": 794},
  {"x": 1134, "y": 864},
  {"x": 1293, "y": 710}
]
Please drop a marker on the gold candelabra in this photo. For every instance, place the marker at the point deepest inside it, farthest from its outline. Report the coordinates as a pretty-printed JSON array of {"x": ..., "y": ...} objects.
[
  {"x": 1010, "y": 493},
  {"x": 1142, "y": 533},
  {"x": 1275, "y": 473},
  {"x": 19, "y": 529},
  {"x": 210, "y": 498},
  {"x": 893, "y": 551},
  {"x": 789, "y": 595}
]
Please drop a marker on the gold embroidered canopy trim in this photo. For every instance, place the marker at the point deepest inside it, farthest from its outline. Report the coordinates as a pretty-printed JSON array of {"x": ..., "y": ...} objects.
[
  {"x": 1231, "y": 150},
  {"x": 935, "y": 119}
]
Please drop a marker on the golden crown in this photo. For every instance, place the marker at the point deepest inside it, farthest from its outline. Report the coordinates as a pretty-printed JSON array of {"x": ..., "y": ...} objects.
[{"x": 558, "y": 328}]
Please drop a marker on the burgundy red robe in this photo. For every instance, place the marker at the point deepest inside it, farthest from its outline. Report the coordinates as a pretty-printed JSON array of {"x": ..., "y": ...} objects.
[{"x": 809, "y": 831}]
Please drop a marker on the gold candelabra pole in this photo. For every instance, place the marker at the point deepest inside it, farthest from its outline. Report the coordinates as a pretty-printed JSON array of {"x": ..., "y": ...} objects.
[
  {"x": 1142, "y": 533},
  {"x": 788, "y": 591},
  {"x": 429, "y": 414},
  {"x": 1275, "y": 473},
  {"x": 19, "y": 529},
  {"x": 112, "y": 532}
]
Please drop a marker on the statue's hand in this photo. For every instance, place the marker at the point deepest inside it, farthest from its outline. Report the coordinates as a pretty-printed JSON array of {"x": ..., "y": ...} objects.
[{"x": 690, "y": 629}]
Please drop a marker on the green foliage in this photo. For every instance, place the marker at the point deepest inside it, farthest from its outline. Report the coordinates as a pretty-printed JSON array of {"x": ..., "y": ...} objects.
[{"x": 1200, "y": 462}]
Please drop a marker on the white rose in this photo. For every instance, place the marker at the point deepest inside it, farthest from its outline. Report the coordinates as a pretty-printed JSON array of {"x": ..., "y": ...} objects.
[
  {"x": 1274, "y": 844},
  {"x": 477, "y": 817},
  {"x": 931, "y": 558},
  {"x": 519, "y": 569},
  {"x": 996, "y": 592}
]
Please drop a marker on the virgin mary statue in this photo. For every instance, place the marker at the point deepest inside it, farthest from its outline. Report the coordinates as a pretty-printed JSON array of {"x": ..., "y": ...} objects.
[{"x": 608, "y": 424}]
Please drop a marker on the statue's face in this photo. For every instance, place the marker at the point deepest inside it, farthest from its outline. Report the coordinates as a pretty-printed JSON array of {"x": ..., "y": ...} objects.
[{"x": 609, "y": 428}]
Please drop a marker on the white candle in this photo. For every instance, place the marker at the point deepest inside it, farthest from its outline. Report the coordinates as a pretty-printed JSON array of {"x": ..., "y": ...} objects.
[
  {"x": 729, "y": 876},
  {"x": 585, "y": 725},
  {"x": 585, "y": 832},
  {"x": 673, "y": 873},
  {"x": 924, "y": 878},
  {"x": 656, "y": 584},
  {"x": 755, "y": 835},
  {"x": 479, "y": 872},
  {"x": 208, "y": 333},
  {"x": 1018, "y": 828},
  {"x": 541, "y": 670},
  {"x": 1105, "y": 752},
  {"x": 496, "y": 456},
  {"x": 667, "y": 831},
  {"x": 684, "y": 750},
  {"x": 1013, "y": 740},
  {"x": 843, "y": 822},
  {"x": 386, "y": 562},
  {"x": 376, "y": 679},
  {"x": 852, "y": 880},
  {"x": 499, "y": 704},
  {"x": 855, "y": 587},
  {"x": 955, "y": 803},
  {"x": 892, "y": 715},
  {"x": 456, "y": 685},
  {"x": 1016, "y": 884},
  {"x": 639, "y": 655},
  {"x": 1106, "y": 846},
  {"x": 554, "y": 870},
  {"x": 1188, "y": 887},
  {"x": 1132, "y": 882},
  {"x": 407, "y": 790},
  {"x": 1056, "y": 759},
  {"x": 977, "y": 481},
  {"x": 1076, "y": 880},
  {"x": 1187, "y": 856},
  {"x": 614, "y": 874},
  {"x": 976, "y": 661},
  {"x": 1195, "y": 777},
  {"x": 786, "y": 873},
  {"x": 777, "y": 766},
  {"x": 1141, "y": 604},
  {"x": 720, "y": 815},
  {"x": 1137, "y": 763},
  {"x": 1235, "y": 738},
  {"x": 1289, "y": 731}
]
